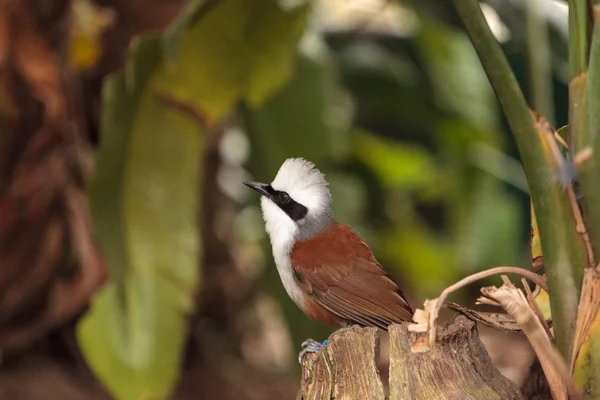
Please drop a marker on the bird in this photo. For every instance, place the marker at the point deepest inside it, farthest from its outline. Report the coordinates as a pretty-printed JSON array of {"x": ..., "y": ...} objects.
[{"x": 325, "y": 267}]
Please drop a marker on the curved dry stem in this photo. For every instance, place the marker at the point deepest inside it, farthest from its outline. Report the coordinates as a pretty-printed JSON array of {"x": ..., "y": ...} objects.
[{"x": 437, "y": 303}]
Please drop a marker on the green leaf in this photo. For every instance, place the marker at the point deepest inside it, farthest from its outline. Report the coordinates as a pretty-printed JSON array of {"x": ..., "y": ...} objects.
[
  {"x": 144, "y": 202},
  {"x": 237, "y": 50}
]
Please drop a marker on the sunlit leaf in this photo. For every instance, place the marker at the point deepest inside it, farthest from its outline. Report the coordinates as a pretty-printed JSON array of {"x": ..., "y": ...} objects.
[
  {"x": 144, "y": 202},
  {"x": 235, "y": 49},
  {"x": 543, "y": 302}
]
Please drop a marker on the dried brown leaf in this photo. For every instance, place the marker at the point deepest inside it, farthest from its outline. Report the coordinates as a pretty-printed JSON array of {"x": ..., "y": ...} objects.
[
  {"x": 432, "y": 307},
  {"x": 555, "y": 369}
]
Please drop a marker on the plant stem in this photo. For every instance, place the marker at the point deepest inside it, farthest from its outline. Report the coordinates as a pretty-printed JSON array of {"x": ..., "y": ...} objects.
[
  {"x": 578, "y": 36},
  {"x": 579, "y": 134},
  {"x": 590, "y": 171},
  {"x": 564, "y": 255}
]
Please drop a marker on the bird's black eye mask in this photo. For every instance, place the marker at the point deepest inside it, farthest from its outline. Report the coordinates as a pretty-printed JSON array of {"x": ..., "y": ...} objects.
[{"x": 292, "y": 208}]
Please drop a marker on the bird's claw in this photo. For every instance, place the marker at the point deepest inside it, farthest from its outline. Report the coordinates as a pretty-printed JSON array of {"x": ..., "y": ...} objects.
[{"x": 310, "y": 346}]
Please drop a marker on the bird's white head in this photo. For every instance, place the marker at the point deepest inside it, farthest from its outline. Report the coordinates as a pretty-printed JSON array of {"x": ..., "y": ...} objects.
[{"x": 297, "y": 204}]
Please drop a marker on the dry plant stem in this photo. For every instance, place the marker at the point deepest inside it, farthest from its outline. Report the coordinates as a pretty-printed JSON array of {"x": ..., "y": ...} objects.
[
  {"x": 433, "y": 314},
  {"x": 561, "y": 141},
  {"x": 487, "y": 301},
  {"x": 536, "y": 309},
  {"x": 583, "y": 156},
  {"x": 579, "y": 224},
  {"x": 554, "y": 366}
]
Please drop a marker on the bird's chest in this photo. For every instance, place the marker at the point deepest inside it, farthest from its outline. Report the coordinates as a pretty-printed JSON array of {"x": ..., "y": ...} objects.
[{"x": 286, "y": 273}]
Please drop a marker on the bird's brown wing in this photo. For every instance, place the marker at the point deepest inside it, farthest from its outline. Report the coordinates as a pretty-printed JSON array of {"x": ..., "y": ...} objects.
[
  {"x": 359, "y": 291},
  {"x": 341, "y": 274}
]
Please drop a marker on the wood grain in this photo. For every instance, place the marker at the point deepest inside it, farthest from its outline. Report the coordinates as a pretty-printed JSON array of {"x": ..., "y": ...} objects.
[
  {"x": 347, "y": 369},
  {"x": 458, "y": 368}
]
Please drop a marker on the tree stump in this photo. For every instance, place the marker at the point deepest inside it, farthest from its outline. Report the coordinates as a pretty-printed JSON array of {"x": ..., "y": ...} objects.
[{"x": 458, "y": 368}]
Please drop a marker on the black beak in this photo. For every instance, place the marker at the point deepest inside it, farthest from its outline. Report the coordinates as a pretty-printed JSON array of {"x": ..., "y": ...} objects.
[{"x": 262, "y": 188}]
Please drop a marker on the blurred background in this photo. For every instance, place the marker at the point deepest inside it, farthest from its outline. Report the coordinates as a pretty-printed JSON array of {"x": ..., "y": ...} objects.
[{"x": 133, "y": 262}]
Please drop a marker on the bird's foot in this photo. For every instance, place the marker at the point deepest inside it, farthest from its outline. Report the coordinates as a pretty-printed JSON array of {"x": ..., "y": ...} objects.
[{"x": 310, "y": 346}]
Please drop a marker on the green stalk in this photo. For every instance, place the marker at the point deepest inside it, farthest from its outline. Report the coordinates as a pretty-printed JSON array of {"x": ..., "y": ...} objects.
[
  {"x": 590, "y": 171},
  {"x": 540, "y": 67},
  {"x": 578, "y": 36},
  {"x": 586, "y": 361},
  {"x": 579, "y": 134},
  {"x": 564, "y": 255}
]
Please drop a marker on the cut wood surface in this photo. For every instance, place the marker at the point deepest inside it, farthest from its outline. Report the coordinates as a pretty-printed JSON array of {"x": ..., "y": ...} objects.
[{"x": 458, "y": 368}]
